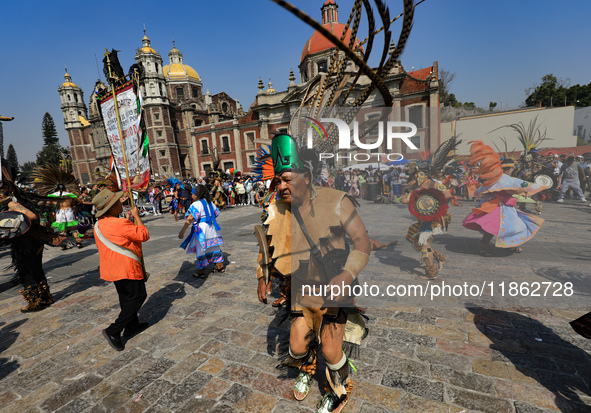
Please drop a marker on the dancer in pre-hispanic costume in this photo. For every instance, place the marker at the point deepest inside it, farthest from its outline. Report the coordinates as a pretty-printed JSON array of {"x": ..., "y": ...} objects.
[
  {"x": 310, "y": 249},
  {"x": 427, "y": 200},
  {"x": 496, "y": 214},
  {"x": 19, "y": 227},
  {"x": 218, "y": 196},
  {"x": 62, "y": 187},
  {"x": 205, "y": 238},
  {"x": 328, "y": 215}
]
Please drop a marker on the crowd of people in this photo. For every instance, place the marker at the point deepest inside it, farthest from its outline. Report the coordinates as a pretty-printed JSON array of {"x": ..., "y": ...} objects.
[{"x": 330, "y": 237}]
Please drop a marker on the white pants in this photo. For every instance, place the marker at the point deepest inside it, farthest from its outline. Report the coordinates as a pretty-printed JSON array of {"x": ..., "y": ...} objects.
[{"x": 571, "y": 185}]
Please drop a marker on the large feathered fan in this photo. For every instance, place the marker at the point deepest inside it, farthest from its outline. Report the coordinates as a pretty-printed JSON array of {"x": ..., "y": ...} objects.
[
  {"x": 49, "y": 179},
  {"x": 263, "y": 165},
  {"x": 442, "y": 156}
]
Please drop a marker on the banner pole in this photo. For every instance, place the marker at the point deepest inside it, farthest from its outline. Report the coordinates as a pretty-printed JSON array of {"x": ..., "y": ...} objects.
[{"x": 107, "y": 54}]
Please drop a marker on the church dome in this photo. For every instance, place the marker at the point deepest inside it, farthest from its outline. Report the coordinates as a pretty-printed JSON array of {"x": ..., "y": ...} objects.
[
  {"x": 146, "y": 46},
  {"x": 177, "y": 70},
  {"x": 68, "y": 81},
  {"x": 317, "y": 42}
]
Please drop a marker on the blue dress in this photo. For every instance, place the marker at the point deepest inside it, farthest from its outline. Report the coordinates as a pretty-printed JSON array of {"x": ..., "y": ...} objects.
[{"x": 205, "y": 238}]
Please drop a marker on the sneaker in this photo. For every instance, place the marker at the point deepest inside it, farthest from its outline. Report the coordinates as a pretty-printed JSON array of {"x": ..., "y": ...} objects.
[
  {"x": 113, "y": 341},
  {"x": 560, "y": 201},
  {"x": 302, "y": 386},
  {"x": 583, "y": 199}
]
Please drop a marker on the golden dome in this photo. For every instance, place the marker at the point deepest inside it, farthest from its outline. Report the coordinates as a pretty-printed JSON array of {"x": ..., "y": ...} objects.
[
  {"x": 180, "y": 71},
  {"x": 147, "y": 48},
  {"x": 68, "y": 82},
  {"x": 271, "y": 90}
]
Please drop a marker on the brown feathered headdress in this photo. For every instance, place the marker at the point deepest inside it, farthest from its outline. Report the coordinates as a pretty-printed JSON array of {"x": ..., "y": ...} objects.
[
  {"x": 485, "y": 163},
  {"x": 50, "y": 179}
]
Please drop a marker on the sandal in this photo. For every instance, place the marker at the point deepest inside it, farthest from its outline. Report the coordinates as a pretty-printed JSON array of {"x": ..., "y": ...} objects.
[
  {"x": 483, "y": 250},
  {"x": 200, "y": 274},
  {"x": 517, "y": 250},
  {"x": 220, "y": 267},
  {"x": 302, "y": 386}
]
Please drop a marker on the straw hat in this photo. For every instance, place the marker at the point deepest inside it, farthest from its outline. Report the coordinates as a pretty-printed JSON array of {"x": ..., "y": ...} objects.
[{"x": 105, "y": 200}]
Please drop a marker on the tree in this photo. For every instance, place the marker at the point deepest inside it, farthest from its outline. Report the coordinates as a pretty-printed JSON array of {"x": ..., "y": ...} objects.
[
  {"x": 49, "y": 131},
  {"x": 492, "y": 105},
  {"x": 12, "y": 158},
  {"x": 52, "y": 150},
  {"x": 445, "y": 79},
  {"x": 27, "y": 168},
  {"x": 551, "y": 92}
]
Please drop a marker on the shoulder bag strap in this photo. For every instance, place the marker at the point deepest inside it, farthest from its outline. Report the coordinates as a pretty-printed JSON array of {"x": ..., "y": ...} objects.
[
  {"x": 315, "y": 251},
  {"x": 114, "y": 247}
]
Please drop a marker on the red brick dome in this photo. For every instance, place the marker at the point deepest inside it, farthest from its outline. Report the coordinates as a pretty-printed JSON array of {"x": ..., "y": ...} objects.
[
  {"x": 330, "y": 20},
  {"x": 318, "y": 43}
]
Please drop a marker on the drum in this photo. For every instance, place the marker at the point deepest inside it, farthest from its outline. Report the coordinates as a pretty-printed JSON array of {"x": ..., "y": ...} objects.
[{"x": 545, "y": 180}]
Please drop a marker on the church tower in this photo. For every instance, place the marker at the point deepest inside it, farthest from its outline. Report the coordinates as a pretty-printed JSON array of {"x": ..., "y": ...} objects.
[
  {"x": 164, "y": 159},
  {"x": 78, "y": 127},
  {"x": 153, "y": 86},
  {"x": 73, "y": 107}
]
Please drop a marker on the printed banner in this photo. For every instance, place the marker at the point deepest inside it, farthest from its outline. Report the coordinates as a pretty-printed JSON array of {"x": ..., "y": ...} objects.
[{"x": 138, "y": 163}]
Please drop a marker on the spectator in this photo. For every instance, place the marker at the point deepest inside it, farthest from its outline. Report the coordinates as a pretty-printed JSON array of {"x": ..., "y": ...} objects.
[
  {"x": 240, "y": 192},
  {"x": 556, "y": 164},
  {"x": 395, "y": 184},
  {"x": 250, "y": 192},
  {"x": 155, "y": 198},
  {"x": 569, "y": 179}
]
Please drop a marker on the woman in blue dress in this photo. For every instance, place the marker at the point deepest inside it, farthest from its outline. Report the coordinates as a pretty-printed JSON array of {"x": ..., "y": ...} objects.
[{"x": 205, "y": 238}]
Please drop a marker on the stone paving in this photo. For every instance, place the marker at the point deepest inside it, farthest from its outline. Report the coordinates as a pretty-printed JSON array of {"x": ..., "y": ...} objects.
[{"x": 212, "y": 347}]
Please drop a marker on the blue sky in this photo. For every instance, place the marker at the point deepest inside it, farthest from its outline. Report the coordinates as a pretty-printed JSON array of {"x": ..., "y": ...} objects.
[{"x": 497, "y": 49}]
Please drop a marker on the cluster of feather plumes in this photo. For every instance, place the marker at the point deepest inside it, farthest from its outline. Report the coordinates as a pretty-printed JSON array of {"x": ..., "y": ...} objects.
[{"x": 50, "y": 179}]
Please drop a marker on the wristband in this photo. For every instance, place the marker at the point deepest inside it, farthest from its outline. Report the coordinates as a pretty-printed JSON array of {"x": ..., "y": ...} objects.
[{"x": 356, "y": 261}]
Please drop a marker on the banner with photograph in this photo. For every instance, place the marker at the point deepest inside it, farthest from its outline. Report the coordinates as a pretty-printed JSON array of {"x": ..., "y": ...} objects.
[{"x": 138, "y": 163}]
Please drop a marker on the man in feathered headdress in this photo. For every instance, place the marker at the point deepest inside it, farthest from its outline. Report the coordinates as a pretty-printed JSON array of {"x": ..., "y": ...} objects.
[
  {"x": 427, "y": 199},
  {"x": 310, "y": 250},
  {"x": 20, "y": 228}
]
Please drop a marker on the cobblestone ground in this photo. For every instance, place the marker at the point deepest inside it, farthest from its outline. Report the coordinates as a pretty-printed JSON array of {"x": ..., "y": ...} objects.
[{"x": 212, "y": 347}]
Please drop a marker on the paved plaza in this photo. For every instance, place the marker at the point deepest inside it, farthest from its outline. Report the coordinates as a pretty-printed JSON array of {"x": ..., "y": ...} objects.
[{"x": 212, "y": 346}]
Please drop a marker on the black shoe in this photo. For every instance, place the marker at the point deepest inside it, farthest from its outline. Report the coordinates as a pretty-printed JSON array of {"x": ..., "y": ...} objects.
[
  {"x": 140, "y": 327},
  {"x": 113, "y": 341}
]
